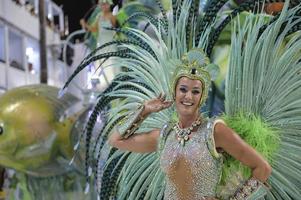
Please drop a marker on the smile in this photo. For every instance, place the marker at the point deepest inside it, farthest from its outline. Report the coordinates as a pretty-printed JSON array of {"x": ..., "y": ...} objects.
[{"x": 187, "y": 103}]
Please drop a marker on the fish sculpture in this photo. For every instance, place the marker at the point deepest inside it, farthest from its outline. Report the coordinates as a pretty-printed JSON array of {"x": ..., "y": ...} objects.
[
  {"x": 38, "y": 135},
  {"x": 37, "y": 130}
]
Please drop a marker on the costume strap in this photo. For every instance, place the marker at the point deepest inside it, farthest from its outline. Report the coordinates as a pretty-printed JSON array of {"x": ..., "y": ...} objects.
[
  {"x": 210, "y": 137},
  {"x": 164, "y": 132}
]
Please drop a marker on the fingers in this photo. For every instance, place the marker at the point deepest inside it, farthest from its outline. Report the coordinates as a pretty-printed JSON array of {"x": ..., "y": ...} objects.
[
  {"x": 164, "y": 104},
  {"x": 167, "y": 103},
  {"x": 159, "y": 103},
  {"x": 162, "y": 96}
]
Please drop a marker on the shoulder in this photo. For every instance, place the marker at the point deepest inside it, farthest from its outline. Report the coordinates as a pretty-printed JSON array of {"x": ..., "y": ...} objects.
[
  {"x": 165, "y": 130},
  {"x": 223, "y": 135},
  {"x": 112, "y": 16},
  {"x": 216, "y": 124},
  {"x": 212, "y": 123},
  {"x": 113, "y": 19}
]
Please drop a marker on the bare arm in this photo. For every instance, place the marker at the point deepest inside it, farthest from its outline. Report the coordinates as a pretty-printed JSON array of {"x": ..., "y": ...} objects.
[
  {"x": 229, "y": 141},
  {"x": 113, "y": 20},
  {"x": 139, "y": 143},
  {"x": 85, "y": 25}
]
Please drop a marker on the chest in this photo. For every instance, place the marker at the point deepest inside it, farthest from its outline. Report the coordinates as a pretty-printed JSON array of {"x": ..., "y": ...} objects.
[{"x": 194, "y": 153}]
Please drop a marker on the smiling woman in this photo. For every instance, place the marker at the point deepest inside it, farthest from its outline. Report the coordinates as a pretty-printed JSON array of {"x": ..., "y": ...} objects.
[{"x": 185, "y": 157}]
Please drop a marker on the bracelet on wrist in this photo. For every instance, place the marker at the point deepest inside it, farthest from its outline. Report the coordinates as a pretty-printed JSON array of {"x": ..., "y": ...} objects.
[
  {"x": 131, "y": 123},
  {"x": 250, "y": 187}
]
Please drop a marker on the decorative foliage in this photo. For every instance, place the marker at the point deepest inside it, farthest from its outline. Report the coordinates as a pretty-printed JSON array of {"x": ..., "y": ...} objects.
[{"x": 257, "y": 134}]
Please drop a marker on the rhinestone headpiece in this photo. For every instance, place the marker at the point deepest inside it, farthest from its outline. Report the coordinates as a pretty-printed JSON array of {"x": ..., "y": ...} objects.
[{"x": 194, "y": 65}]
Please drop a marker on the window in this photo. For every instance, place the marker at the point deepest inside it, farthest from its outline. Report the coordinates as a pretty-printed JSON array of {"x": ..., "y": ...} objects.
[
  {"x": 2, "y": 44},
  {"x": 15, "y": 50},
  {"x": 2, "y": 91},
  {"x": 32, "y": 52}
]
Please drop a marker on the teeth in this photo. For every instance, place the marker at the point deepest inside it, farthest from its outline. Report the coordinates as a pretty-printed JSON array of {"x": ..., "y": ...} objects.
[{"x": 187, "y": 104}]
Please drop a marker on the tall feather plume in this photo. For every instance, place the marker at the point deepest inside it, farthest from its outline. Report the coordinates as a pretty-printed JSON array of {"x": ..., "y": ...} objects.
[
  {"x": 265, "y": 82},
  {"x": 210, "y": 16},
  {"x": 163, "y": 12}
]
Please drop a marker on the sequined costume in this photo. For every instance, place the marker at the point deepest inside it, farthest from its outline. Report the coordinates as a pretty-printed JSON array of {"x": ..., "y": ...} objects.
[{"x": 192, "y": 171}]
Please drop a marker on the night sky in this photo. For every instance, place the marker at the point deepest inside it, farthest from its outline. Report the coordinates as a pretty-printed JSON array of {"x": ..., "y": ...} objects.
[{"x": 75, "y": 10}]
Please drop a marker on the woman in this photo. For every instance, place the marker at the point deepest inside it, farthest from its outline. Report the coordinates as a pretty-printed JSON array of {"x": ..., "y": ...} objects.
[
  {"x": 105, "y": 20},
  {"x": 191, "y": 166}
]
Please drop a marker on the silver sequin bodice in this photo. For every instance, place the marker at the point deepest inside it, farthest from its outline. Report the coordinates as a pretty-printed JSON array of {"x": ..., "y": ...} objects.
[{"x": 192, "y": 172}]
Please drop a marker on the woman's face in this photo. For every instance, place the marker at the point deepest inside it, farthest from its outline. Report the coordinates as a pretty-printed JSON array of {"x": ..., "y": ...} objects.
[
  {"x": 105, "y": 7},
  {"x": 188, "y": 95}
]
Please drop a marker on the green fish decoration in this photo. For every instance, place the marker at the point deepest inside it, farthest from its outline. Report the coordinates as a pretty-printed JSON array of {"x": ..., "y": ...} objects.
[
  {"x": 34, "y": 132},
  {"x": 38, "y": 133}
]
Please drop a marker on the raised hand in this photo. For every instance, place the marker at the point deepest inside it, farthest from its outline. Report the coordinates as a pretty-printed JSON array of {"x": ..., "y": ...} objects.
[
  {"x": 156, "y": 105},
  {"x": 82, "y": 22}
]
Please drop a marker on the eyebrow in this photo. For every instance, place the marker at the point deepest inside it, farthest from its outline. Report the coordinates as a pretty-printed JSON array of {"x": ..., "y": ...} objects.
[{"x": 194, "y": 88}]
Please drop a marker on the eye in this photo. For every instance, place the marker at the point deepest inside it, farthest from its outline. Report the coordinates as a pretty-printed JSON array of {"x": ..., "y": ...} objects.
[
  {"x": 1, "y": 130},
  {"x": 196, "y": 92},
  {"x": 183, "y": 90}
]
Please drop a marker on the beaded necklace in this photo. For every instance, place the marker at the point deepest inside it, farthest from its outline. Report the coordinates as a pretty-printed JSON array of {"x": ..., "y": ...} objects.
[{"x": 183, "y": 133}]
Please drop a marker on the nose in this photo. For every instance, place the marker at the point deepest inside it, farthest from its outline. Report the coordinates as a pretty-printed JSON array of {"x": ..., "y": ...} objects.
[{"x": 188, "y": 95}]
